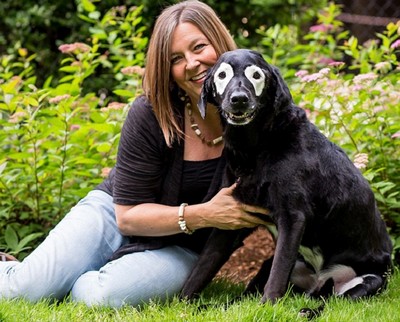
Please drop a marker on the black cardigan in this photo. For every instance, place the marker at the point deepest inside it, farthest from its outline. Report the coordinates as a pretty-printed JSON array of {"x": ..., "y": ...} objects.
[{"x": 147, "y": 170}]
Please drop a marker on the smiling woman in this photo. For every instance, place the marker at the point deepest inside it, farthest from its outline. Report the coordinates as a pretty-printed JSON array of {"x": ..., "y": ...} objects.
[
  {"x": 192, "y": 55},
  {"x": 127, "y": 241},
  {"x": 158, "y": 83}
]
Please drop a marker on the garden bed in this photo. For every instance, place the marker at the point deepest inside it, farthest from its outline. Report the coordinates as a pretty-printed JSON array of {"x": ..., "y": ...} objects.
[{"x": 245, "y": 262}]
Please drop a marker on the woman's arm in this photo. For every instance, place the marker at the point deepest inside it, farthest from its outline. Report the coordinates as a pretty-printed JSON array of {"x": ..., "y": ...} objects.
[
  {"x": 222, "y": 212},
  {"x": 138, "y": 181}
]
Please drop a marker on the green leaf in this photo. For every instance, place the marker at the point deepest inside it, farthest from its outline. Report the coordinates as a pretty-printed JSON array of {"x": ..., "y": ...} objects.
[
  {"x": 19, "y": 155},
  {"x": 26, "y": 240},
  {"x": 11, "y": 238},
  {"x": 30, "y": 101},
  {"x": 123, "y": 92},
  {"x": 70, "y": 69},
  {"x": 88, "y": 5},
  {"x": 95, "y": 15},
  {"x": 87, "y": 19},
  {"x": 2, "y": 167},
  {"x": 100, "y": 33},
  {"x": 104, "y": 147}
]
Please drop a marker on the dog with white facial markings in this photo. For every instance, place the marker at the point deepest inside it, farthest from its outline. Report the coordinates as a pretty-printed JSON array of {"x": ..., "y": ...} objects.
[{"x": 331, "y": 238}]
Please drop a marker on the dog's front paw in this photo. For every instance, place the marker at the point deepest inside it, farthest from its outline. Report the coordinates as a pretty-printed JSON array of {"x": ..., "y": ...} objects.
[
  {"x": 270, "y": 298},
  {"x": 311, "y": 313},
  {"x": 188, "y": 295},
  {"x": 186, "y": 298}
]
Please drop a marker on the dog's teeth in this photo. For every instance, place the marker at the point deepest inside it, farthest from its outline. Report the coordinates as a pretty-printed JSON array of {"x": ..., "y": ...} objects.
[
  {"x": 241, "y": 119},
  {"x": 243, "y": 116}
]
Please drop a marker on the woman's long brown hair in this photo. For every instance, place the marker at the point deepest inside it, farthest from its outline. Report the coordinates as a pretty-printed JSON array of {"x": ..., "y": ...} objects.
[{"x": 157, "y": 80}]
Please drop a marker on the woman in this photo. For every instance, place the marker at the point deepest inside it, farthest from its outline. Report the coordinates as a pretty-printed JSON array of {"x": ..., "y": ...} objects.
[{"x": 162, "y": 192}]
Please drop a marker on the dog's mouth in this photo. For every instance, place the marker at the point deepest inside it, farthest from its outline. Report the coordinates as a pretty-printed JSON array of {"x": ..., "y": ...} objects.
[{"x": 239, "y": 118}]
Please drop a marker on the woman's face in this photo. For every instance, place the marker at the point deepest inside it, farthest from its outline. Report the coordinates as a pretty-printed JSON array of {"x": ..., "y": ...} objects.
[{"x": 192, "y": 55}]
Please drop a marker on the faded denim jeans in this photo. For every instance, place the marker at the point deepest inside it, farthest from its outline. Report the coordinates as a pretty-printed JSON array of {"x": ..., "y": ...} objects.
[{"x": 73, "y": 260}]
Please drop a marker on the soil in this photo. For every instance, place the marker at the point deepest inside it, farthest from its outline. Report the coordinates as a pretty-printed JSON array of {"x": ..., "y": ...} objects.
[{"x": 244, "y": 263}]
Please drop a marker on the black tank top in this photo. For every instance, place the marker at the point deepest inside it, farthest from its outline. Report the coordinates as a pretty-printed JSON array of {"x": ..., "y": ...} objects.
[{"x": 196, "y": 180}]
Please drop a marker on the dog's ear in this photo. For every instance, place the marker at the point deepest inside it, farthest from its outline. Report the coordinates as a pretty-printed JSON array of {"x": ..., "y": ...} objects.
[
  {"x": 282, "y": 92},
  {"x": 208, "y": 93}
]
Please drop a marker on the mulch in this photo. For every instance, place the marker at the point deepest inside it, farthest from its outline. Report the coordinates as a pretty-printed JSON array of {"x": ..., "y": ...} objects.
[{"x": 245, "y": 262}]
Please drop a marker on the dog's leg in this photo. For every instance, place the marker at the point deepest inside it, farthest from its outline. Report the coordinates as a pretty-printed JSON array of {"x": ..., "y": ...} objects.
[
  {"x": 362, "y": 286},
  {"x": 220, "y": 245},
  {"x": 290, "y": 227}
]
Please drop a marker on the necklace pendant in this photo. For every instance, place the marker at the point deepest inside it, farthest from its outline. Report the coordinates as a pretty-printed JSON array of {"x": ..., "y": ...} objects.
[
  {"x": 195, "y": 127},
  {"x": 217, "y": 140}
]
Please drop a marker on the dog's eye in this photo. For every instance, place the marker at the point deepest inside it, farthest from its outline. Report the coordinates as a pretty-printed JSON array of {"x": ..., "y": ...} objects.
[
  {"x": 222, "y": 75},
  {"x": 257, "y": 78},
  {"x": 256, "y": 75}
]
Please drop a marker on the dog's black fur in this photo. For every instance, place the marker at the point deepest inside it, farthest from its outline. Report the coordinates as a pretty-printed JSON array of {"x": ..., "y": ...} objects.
[{"x": 318, "y": 199}]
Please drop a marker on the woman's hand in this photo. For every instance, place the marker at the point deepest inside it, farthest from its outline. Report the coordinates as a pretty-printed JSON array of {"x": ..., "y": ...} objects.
[
  {"x": 225, "y": 212},
  {"x": 222, "y": 212}
]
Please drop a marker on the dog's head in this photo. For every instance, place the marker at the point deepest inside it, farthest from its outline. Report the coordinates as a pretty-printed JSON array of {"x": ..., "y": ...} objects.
[{"x": 240, "y": 83}]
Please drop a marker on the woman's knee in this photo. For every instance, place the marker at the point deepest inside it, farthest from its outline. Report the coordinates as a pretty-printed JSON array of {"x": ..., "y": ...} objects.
[{"x": 136, "y": 278}]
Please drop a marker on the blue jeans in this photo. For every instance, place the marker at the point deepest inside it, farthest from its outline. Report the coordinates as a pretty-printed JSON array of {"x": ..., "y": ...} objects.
[{"x": 74, "y": 258}]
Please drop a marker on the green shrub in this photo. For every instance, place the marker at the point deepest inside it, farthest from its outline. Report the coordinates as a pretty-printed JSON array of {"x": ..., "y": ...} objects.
[
  {"x": 59, "y": 142},
  {"x": 351, "y": 93}
]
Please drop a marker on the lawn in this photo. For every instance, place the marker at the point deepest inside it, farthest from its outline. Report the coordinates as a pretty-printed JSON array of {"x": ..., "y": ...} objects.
[{"x": 384, "y": 307}]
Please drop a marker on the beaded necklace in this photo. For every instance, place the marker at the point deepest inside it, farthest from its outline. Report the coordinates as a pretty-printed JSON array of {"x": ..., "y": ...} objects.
[{"x": 195, "y": 127}]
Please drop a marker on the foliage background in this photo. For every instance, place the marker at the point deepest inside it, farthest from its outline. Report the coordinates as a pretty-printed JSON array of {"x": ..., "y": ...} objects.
[
  {"x": 69, "y": 69},
  {"x": 42, "y": 26}
]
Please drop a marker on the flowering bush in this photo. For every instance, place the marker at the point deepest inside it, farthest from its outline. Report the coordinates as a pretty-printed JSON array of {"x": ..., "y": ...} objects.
[
  {"x": 351, "y": 92},
  {"x": 58, "y": 142},
  {"x": 361, "y": 113}
]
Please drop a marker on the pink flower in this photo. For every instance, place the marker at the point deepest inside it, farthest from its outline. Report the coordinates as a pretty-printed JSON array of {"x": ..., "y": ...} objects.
[
  {"x": 361, "y": 160},
  {"x": 336, "y": 64},
  {"x": 357, "y": 88},
  {"x": 396, "y": 135},
  {"x": 325, "y": 60},
  {"x": 379, "y": 108},
  {"x": 17, "y": 116},
  {"x": 324, "y": 71},
  {"x": 383, "y": 66},
  {"x": 133, "y": 70},
  {"x": 364, "y": 77},
  {"x": 301, "y": 73},
  {"x": 77, "y": 46},
  {"x": 113, "y": 106},
  {"x": 312, "y": 77},
  {"x": 59, "y": 98},
  {"x": 321, "y": 27},
  {"x": 396, "y": 44},
  {"x": 105, "y": 172},
  {"x": 305, "y": 77},
  {"x": 74, "y": 127}
]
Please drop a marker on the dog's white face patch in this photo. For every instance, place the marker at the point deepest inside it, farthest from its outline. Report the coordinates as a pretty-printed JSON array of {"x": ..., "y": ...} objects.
[
  {"x": 222, "y": 77},
  {"x": 256, "y": 76}
]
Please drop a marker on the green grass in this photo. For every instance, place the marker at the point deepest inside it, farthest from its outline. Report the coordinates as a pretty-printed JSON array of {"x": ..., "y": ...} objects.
[{"x": 384, "y": 307}]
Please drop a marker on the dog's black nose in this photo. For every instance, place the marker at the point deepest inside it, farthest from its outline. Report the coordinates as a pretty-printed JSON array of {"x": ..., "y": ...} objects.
[{"x": 239, "y": 98}]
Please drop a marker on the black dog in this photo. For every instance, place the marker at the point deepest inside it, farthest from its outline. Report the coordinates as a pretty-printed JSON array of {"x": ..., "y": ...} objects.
[{"x": 331, "y": 237}]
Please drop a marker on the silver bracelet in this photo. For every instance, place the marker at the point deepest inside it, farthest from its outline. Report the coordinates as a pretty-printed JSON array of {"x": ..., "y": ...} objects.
[{"x": 181, "y": 221}]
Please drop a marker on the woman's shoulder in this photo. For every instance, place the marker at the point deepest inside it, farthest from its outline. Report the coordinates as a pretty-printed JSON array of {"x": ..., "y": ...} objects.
[
  {"x": 141, "y": 111},
  {"x": 141, "y": 122},
  {"x": 141, "y": 104}
]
